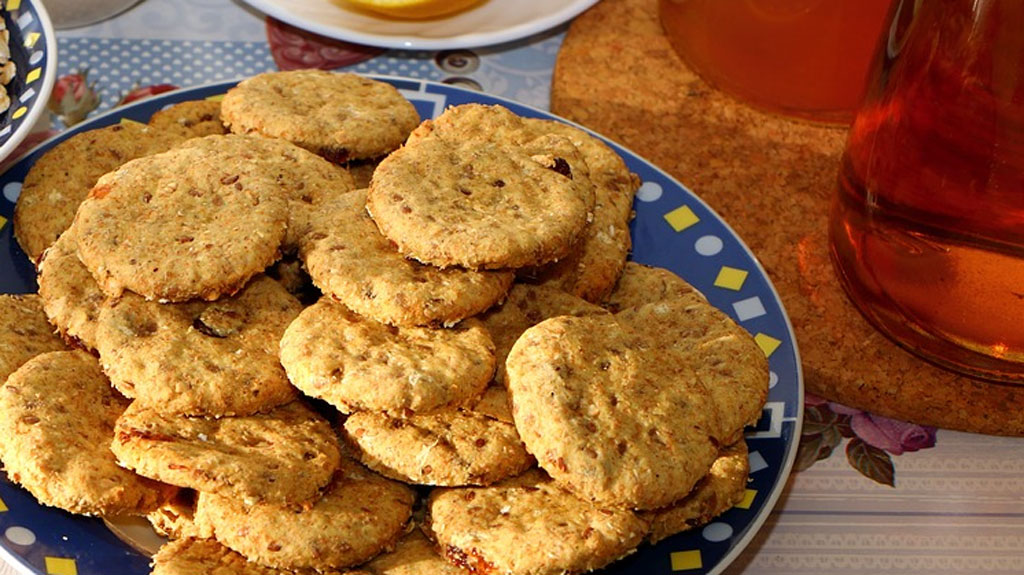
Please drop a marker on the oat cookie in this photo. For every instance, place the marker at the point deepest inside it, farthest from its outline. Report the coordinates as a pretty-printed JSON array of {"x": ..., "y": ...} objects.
[
  {"x": 526, "y": 306},
  {"x": 187, "y": 223},
  {"x": 527, "y": 525},
  {"x": 339, "y": 116},
  {"x": 359, "y": 515},
  {"x": 24, "y": 332},
  {"x": 494, "y": 403},
  {"x": 413, "y": 555},
  {"x": 477, "y": 204},
  {"x": 194, "y": 118},
  {"x": 200, "y": 358},
  {"x": 694, "y": 333},
  {"x": 176, "y": 518},
  {"x": 71, "y": 297},
  {"x": 362, "y": 171},
  {"x": 286, "y": 455},
  {"x": 448, "y": 447},
  {"x": 355, "y": 363},
  {"x": 304, "y": 178},
  {"x": 608, "y": 418},
  {"x": 722, "y": 488},
  {"x": 197, "y": 556},
  {"x": 57, "y": 415},
  {"x": 348, "y": 258},
  {"x": 59, "y": 181}
]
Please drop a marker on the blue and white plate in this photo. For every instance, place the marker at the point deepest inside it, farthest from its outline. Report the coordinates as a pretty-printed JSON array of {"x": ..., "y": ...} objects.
[
  {"x": 673, "y": 229},
  {"x": 33, "y": 48}
]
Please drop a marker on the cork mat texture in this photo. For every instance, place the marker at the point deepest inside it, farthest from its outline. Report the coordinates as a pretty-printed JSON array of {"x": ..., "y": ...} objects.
[{"x": 772, "y": 180}]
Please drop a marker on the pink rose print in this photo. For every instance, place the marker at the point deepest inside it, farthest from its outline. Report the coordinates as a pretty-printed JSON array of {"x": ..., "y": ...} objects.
[
  {"x": 141, "y": 92},
  {"x": 890, "y": 435},
  {"x": 73, "y": 97},
  {"x": 295, "y": 49}
]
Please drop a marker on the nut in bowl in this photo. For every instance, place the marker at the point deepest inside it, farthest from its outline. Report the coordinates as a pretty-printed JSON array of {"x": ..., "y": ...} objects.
[{"x": 28, "y": 68}]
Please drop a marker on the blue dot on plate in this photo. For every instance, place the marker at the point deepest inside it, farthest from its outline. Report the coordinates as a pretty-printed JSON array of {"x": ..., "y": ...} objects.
[
  {"x": 649, "y": 192},
  {"x": 708, "y": 245},
  {"x": 717, "y": 531}
]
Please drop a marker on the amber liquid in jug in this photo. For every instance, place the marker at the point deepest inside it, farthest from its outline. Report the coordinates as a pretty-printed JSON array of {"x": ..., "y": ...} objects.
[{"x": 927, "y": 227}]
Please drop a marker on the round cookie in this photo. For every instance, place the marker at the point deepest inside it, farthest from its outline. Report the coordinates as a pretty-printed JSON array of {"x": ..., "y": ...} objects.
[
  {"x": 349, "y": 259},
  {"x": 608, "y": 416},
  {"x": 477, "y": 204},
  {"x": 338, "y": 116},
  {"x": 57, "y": 415},
  {"x": 71, "y": 297},
  {"x": 190, "y": 556},
  {"x": 723, "y": 487},
  {"x": 61, "y": 178},
  {"x": 359, "y": 515},
  {"x": 494, "y": 403},
  {"x": 529, "y": 526},
  {"x": 305, "y": 179},
  {"x": 413, "y": 555},
  {"x": 176, "y": 518},
  {"x": 194, "y": 118},
  {"x": 449, "y": 448},
  {"x": 200, "y": 358},
  {"x": 526, "y": 306},
  {"x": 284, "y": 456},
  {"x": 24, "y": 332},
  {"x": 355, "y": 363},
  {"x": 694, "y": 333},
  {"x": 184, "y": 224}
]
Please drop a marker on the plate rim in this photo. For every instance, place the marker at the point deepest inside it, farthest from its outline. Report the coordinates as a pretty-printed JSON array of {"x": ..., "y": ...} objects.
[
  {"x": 277, "y": 10},
  {"x": 39, "y": 102},
  {"x": 789, "y": 459}
]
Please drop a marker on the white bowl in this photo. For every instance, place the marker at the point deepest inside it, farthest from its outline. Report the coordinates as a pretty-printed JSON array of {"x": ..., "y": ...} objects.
[{"x": 33, "y": 47}]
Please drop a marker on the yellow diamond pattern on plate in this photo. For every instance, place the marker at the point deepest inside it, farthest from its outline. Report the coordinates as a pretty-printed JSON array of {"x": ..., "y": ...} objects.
[
  {"x": 681, "y": 218},
  {"x": 33, "y": 75},
  {"x": 731, "y": 278},
  {"x": 31, "y": 39},
  {"x": 3, "y": 506},
  {"x": 3, "y": 222},
  {"x": 13, "y": 5},
  {"x": 686, "y": 560},
  {"x": 767, "y": 343},
  {"x": 61, "y": 566},
  {"x": 748, "y": 499},
  {"x": 215, "y": 97},
  {"x": 19, "y": 112}
]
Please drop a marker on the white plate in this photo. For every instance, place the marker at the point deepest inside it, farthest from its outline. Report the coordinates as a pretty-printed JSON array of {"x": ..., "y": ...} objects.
[{"x": 491, "y": 22}]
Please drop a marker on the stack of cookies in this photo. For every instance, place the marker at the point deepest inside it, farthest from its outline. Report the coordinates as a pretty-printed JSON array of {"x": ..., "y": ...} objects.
[{"x": 441, "y": 364}]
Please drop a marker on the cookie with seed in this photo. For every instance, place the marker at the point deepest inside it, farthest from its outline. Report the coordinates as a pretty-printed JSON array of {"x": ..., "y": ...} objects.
[
  {"x": 185, "y": 224},
  {"x": 413, "y": 555},
  {"x": 57, "y": 415},
  {"x": 494, "y": 403},
  {"x": 477, "y": 204},
  {"x": 24, "y": 332},
  {"x": 176, "y": 518},
  {"x": 348, "y": 258},
  {"x": 305, "y": 179},
  {"x": 528, "y": 525},
  {"x": 448, "y": 447},
  {"x": 192, "y": 556},
  {"x": 284, "y": 456},
  {"x": 62, "y": 177},
  {"x": 194, "y": 118},
  {"x": 355, "y": 363},
  {"x": 694, "y": 333},
  {"x": 526, "y": 306},
  {"x": 722, "y": 488},
  {"x": 339, "y": 116},
  {"x": 200, "y": 358},
  {"x": 609, "y": 418},
  {"x": 71, "y": 297},
  {"x": 359, "y": 515}
]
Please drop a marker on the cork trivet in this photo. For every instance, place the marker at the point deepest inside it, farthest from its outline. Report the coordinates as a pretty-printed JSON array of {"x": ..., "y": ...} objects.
[{"x": 772, "y": 180}]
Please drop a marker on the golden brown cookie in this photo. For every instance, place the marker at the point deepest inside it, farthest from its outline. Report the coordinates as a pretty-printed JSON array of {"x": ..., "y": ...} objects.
[
  {"x": 187, "y": 223},
  {"x": 24, "y": 332},
  {"x": 723, "y": 487},
  {"x": 413, "y": 555},
  {"x": 359, "y": 515},
  {"x": 355, "y": 363},
  {"x": 191, "y": 556},
  {"x": 200, "y": 358},
  {"x": 608, "y": 418},
  {"x": 194, "y": 118},
  {"x": 71, "y": 297},
  {"x": 349, "y": 259},
  {"x": 61, "y": 179},
  {"x": 640, "y": 285},
  {"x": 286, "y": 455},
  {"x": 449, "y": 447},
  {"x": 339, "y": 116},
  {"x": 176, "y": 518},
  {"x": 528, "y": 525},
  {"x": 477, "y": 204},
  {"x": 57, "y": 414},
  {"x": 494, "y": 403}
]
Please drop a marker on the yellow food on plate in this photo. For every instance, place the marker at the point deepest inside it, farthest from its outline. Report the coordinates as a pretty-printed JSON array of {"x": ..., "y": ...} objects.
[{"x": 413, "y": 9}]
